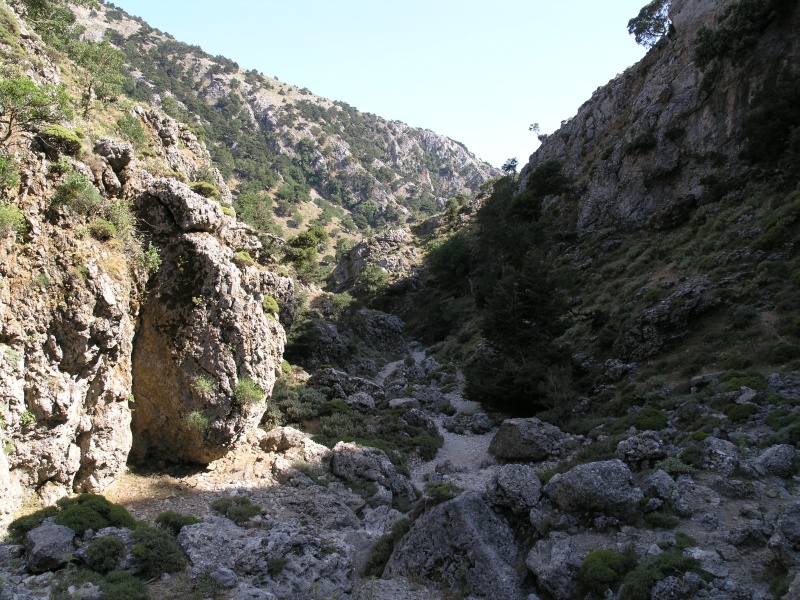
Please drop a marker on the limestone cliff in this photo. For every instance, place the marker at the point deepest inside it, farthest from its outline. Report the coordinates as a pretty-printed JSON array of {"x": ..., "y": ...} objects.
[
  {"x": 641, "y": 150},
  {"x": 119, "y": 287}
]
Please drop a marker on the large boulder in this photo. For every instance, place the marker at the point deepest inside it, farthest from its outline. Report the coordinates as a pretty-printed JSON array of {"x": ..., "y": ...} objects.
[
  {"x": 355, "y": 463},
  {"x": 48, "y": 547},
  {"x": 516, "y": 487},
  {"x": 309, "y": 565},
  {"x": 191, "y": 211},
  {"x": 463, "y": 545},
  {"x": 527, "y": 440},
  {"x": 604, "y": 487},
  {"x": 206, "y": 347},
  {"x": 555, "y": 563},
  {"x": 777, "y": 460},
  {"x": 641, "y": 449},
  {"x": 785, "y": 542}
]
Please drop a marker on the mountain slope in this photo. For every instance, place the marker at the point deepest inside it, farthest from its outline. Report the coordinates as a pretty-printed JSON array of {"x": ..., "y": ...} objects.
[{"x": 272, "y": 136}]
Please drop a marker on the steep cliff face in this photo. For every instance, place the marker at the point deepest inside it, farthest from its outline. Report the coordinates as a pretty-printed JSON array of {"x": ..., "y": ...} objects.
[
  {"x": 93, "y": 331},
  {"x": 641, "y": 150}
]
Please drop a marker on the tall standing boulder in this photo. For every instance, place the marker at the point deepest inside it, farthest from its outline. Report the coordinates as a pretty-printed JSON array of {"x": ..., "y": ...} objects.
[{"x": 206, "y": 345}]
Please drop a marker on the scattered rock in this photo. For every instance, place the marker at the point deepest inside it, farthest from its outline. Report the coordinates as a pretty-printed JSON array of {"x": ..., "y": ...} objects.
[
  {"x": 465, "y": 546},
  {"x": 527, "y": 440},
  {"x": 642, "y": 448},
  {"x": 777, "y": 460},
  {"x": 555, "y": 563},
  {"x": 355, "y": 463},
  {"x": 604, "y": 487},
  {"x": 515, "y": 486},
  {"x": 48, "y": 547}
]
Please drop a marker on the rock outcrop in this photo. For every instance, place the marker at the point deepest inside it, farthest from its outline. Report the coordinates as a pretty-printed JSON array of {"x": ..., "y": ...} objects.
[
  {"x": 465, "y": 546},
  {"x": 203, "y": 333},
  {"x": 638, "y": 151}
]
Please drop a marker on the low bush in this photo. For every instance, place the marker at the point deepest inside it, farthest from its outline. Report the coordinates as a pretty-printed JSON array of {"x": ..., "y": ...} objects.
[
  {"x": 384, "y": 547},
  {"x": 662, "y": 520},
  {"x": 104, "y": 553},
  {"x": 638, "y": 583},
  {"x": 238, "y": 509},
  {"x": 441, "y": 492},
  {"x": 227, "y": 210},
  {"x": 121, "y": 585},
  {"x": 12, "y": 220},
  {"x": 243, "y": 259},
  {"x": 91, "y": 511},
  {"x": 205, "y": 189},
  {"x": 57, "y": 139},
  {"x": 174, "y": 521},
  {"x": 197, "y": 421},
  {"x": 203, "y": 384},
  {"x": 157, "y": 552},
  {"x": 102, "y": 230},
  {"x": 248, "y": 392},
  {"x": 782, "y": 354},
  {"x": 602, "y": 570},
  {"x": 78, "y": 193},
  {"x": 131, "y": 128},
  {"x": 740, "y": 412},
  {"x": 270, "y": 305}
]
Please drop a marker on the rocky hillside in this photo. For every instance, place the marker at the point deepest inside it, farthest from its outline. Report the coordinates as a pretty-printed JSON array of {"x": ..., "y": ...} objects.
[
  {"x": 667, "y": 135},
  {"x": 287, "y": 141}
]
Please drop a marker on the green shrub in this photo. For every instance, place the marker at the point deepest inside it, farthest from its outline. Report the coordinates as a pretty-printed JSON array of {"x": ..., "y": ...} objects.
[
  {"x": 205, "y": 189},
  {"x": 19, "y": 527},
  {"x": 12, "y": 220},
  {"x": 341, "y": 427},
  {"x": 121, "y": 585},
  {"x": 9, "y": 172},
  {"x": 778, "y": 419},
  {"x": 270, "y": 305},
  {"x": 57, "y": 139},
  {"x": 638, "y": 583},
  {"x": 102, "y": 230},
  {"x": 782, "y": 354},
  {"x": 740, "y": 412},
  {"x": 197, "y": 421},
  {"x": 243, "y": 259},
  {"x": 441, "y": 492},
  {"x": 675, "y": 467},
  {"x": 602, "y": 570},
  {"x": 248, "y": 392},
  {"x": 174, "y": 521},
  {"x": 157, "y": 552},
  {"x": 276, "y": 565},
  {"x": 131, "y": 127},
  {"x": 384, "y": 547},
  {"x": 661, "y": 519},
  {"x": 91, "y": 511},
  {"x": 104, "y": 553},
  {"x": 740, "y": 27},
  {"x": 203, "y": 384},
  {"x": 238, "y": 509},
  {"x": 697, "y": 436},
  {"x": 229, "y": 211},
  {"x": 150, "y": 259},
  {"x": 286, "y": 368},
  {"x": 78, "y": 193}
]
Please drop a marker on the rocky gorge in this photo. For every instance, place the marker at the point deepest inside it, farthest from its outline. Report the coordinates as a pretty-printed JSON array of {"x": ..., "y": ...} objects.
[{"x": 147, "y": 363}]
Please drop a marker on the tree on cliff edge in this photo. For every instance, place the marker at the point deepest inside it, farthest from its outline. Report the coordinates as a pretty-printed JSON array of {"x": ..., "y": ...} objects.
[{"x": 651, "y": 24}]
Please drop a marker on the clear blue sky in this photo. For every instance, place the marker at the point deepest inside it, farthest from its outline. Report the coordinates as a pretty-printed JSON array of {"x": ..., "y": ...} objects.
[{"x": 477, "y": 71}]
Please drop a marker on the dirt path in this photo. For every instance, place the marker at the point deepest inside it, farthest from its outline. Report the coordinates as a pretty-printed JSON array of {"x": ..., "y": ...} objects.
[{"x": 463, "y": 459}]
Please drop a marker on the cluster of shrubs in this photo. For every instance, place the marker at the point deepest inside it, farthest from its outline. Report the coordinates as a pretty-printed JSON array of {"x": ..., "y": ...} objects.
[{"x": 154, "y": 550}]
